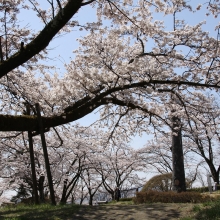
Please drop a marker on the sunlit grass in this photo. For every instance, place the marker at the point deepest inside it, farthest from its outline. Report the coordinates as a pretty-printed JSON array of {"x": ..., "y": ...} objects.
[
  {"x": 206, "y": 211},
  {"x": 121, "y": 202},
  {"x": 210, "y": 211}
]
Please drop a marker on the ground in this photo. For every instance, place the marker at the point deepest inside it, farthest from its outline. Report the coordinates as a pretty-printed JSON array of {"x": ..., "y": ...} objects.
[
  {"x": 134, "y": 212},
  {"x": 156, "y": 211}
]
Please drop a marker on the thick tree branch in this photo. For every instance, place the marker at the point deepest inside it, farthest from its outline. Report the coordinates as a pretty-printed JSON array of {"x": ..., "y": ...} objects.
[
  {"x": 43, "y": 38},
  {"x": 83, "y": 107}
]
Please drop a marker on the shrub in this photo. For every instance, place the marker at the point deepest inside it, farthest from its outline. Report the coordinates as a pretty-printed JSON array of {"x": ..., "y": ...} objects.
[
  {"x": 202, "y": 189},
  {"x": 169, "y": 197},
  {"x": 162, "y": 182},
  {"x": 199, "y": 189}
]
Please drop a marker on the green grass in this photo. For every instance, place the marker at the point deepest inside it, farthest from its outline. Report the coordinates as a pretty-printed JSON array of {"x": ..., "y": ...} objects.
[
  {"x": 44, "y": 211},
  {"x": 196, "y": 208},
  {"x": 205, "y": 211},
  {"x": 186, "y": 218},
  {"x": 121, "y": 202},
  {"x": 210, "y": 211}
]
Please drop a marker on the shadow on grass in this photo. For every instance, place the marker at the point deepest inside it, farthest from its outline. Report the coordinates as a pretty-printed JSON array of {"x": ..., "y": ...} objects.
[
  {"x": 102, "y": 212},
  {"x": 38, "y": 212},
  {"x": 128, "y": 212}
]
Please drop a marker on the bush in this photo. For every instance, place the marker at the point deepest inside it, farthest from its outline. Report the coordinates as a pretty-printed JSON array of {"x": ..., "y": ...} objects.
[
  {"x": 199, "y": 189},
  {"x": 169, "y": 197},
  {"x": 202, "y": 189},
  {"x": 162, "y": 182}
]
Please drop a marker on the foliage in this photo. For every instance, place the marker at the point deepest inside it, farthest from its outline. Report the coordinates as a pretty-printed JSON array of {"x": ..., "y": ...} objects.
[
  {"x": 203, "y": 189},
  {"x": 162, "y": 182},
  {"x": 199, "y": 189},
  {"x": 22, "y": 194},
  {"x": 169, "y": 197},
  {"x": 137, "y": 87}
]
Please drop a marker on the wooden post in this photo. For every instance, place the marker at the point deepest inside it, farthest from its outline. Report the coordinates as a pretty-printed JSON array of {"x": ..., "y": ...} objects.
[
  {"x": 31, "y": 149},
  {"x": 46, "y": 158}
]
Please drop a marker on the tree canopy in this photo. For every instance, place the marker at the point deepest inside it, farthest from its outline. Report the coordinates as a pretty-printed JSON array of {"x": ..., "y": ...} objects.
[
  {"x": 113, "y": 66},
  {"x": 132, "y": 67}
]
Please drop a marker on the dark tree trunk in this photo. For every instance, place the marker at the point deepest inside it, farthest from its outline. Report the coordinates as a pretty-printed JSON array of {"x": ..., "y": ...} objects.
[
  {"x": 41, "y": 188},
  {"x": 33, "y": 172},
  {"x": 81, "y": 200},
  {"x": 46, "y": 158},
  {"x": 90, "y": 196},
  {"x": 72, "y": 199},
  {"x": 178, "y": 177},
  {"x": 63, "y": 198},
  {"x": 90, "y": 199},
  {"x": 214, "y": 172},
  {"x": 113, "y": 195},
  {"x": 217, "y": 175}
]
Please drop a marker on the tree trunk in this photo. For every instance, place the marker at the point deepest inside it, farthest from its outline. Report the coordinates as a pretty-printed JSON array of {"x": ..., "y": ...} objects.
[
  {"x": 113, "y": 195},
  {"x": 214, "y": 172},
  {"x": 218, "y": 175},
  {"x": 63, "y": 198},
  {"x": 178, "y": 175},
  {"x": 81, "y": 200},
  {"x": 33, "y": 172},
  {"x": 72, "y": 199},
  {"x": 90, "y": 196},
  {"x": 41, "y": 188},
  {"x": 90, "y": 199},
  {"x": 46, "y": 158}
]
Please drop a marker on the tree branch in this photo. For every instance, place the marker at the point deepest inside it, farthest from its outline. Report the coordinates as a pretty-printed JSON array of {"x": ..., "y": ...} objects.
[{"x": 43, "y": 38}]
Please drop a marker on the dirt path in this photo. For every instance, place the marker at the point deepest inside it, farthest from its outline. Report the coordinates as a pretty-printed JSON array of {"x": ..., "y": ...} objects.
[{"x": 133, "y": 212}]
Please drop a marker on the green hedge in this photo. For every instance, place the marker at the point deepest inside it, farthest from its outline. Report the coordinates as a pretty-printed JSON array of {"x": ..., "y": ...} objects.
[
  {"x": 199, "y": 189},
  {"x": 170, "y": 197}
]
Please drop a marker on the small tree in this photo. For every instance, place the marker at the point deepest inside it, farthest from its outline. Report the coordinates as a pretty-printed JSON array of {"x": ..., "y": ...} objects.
[{"x": 22, "y": 193}]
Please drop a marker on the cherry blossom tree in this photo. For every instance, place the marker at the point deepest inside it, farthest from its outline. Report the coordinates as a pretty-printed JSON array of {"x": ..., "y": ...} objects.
[
  {"x": 100, "y": 74},
  {"x": 203, "y": 137},
  {"x": 157, "y": 157},
  {"x": 68, "y": 149},
  {"x": 135, "y": 86},
  {"x": 118, "y": 167}
]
